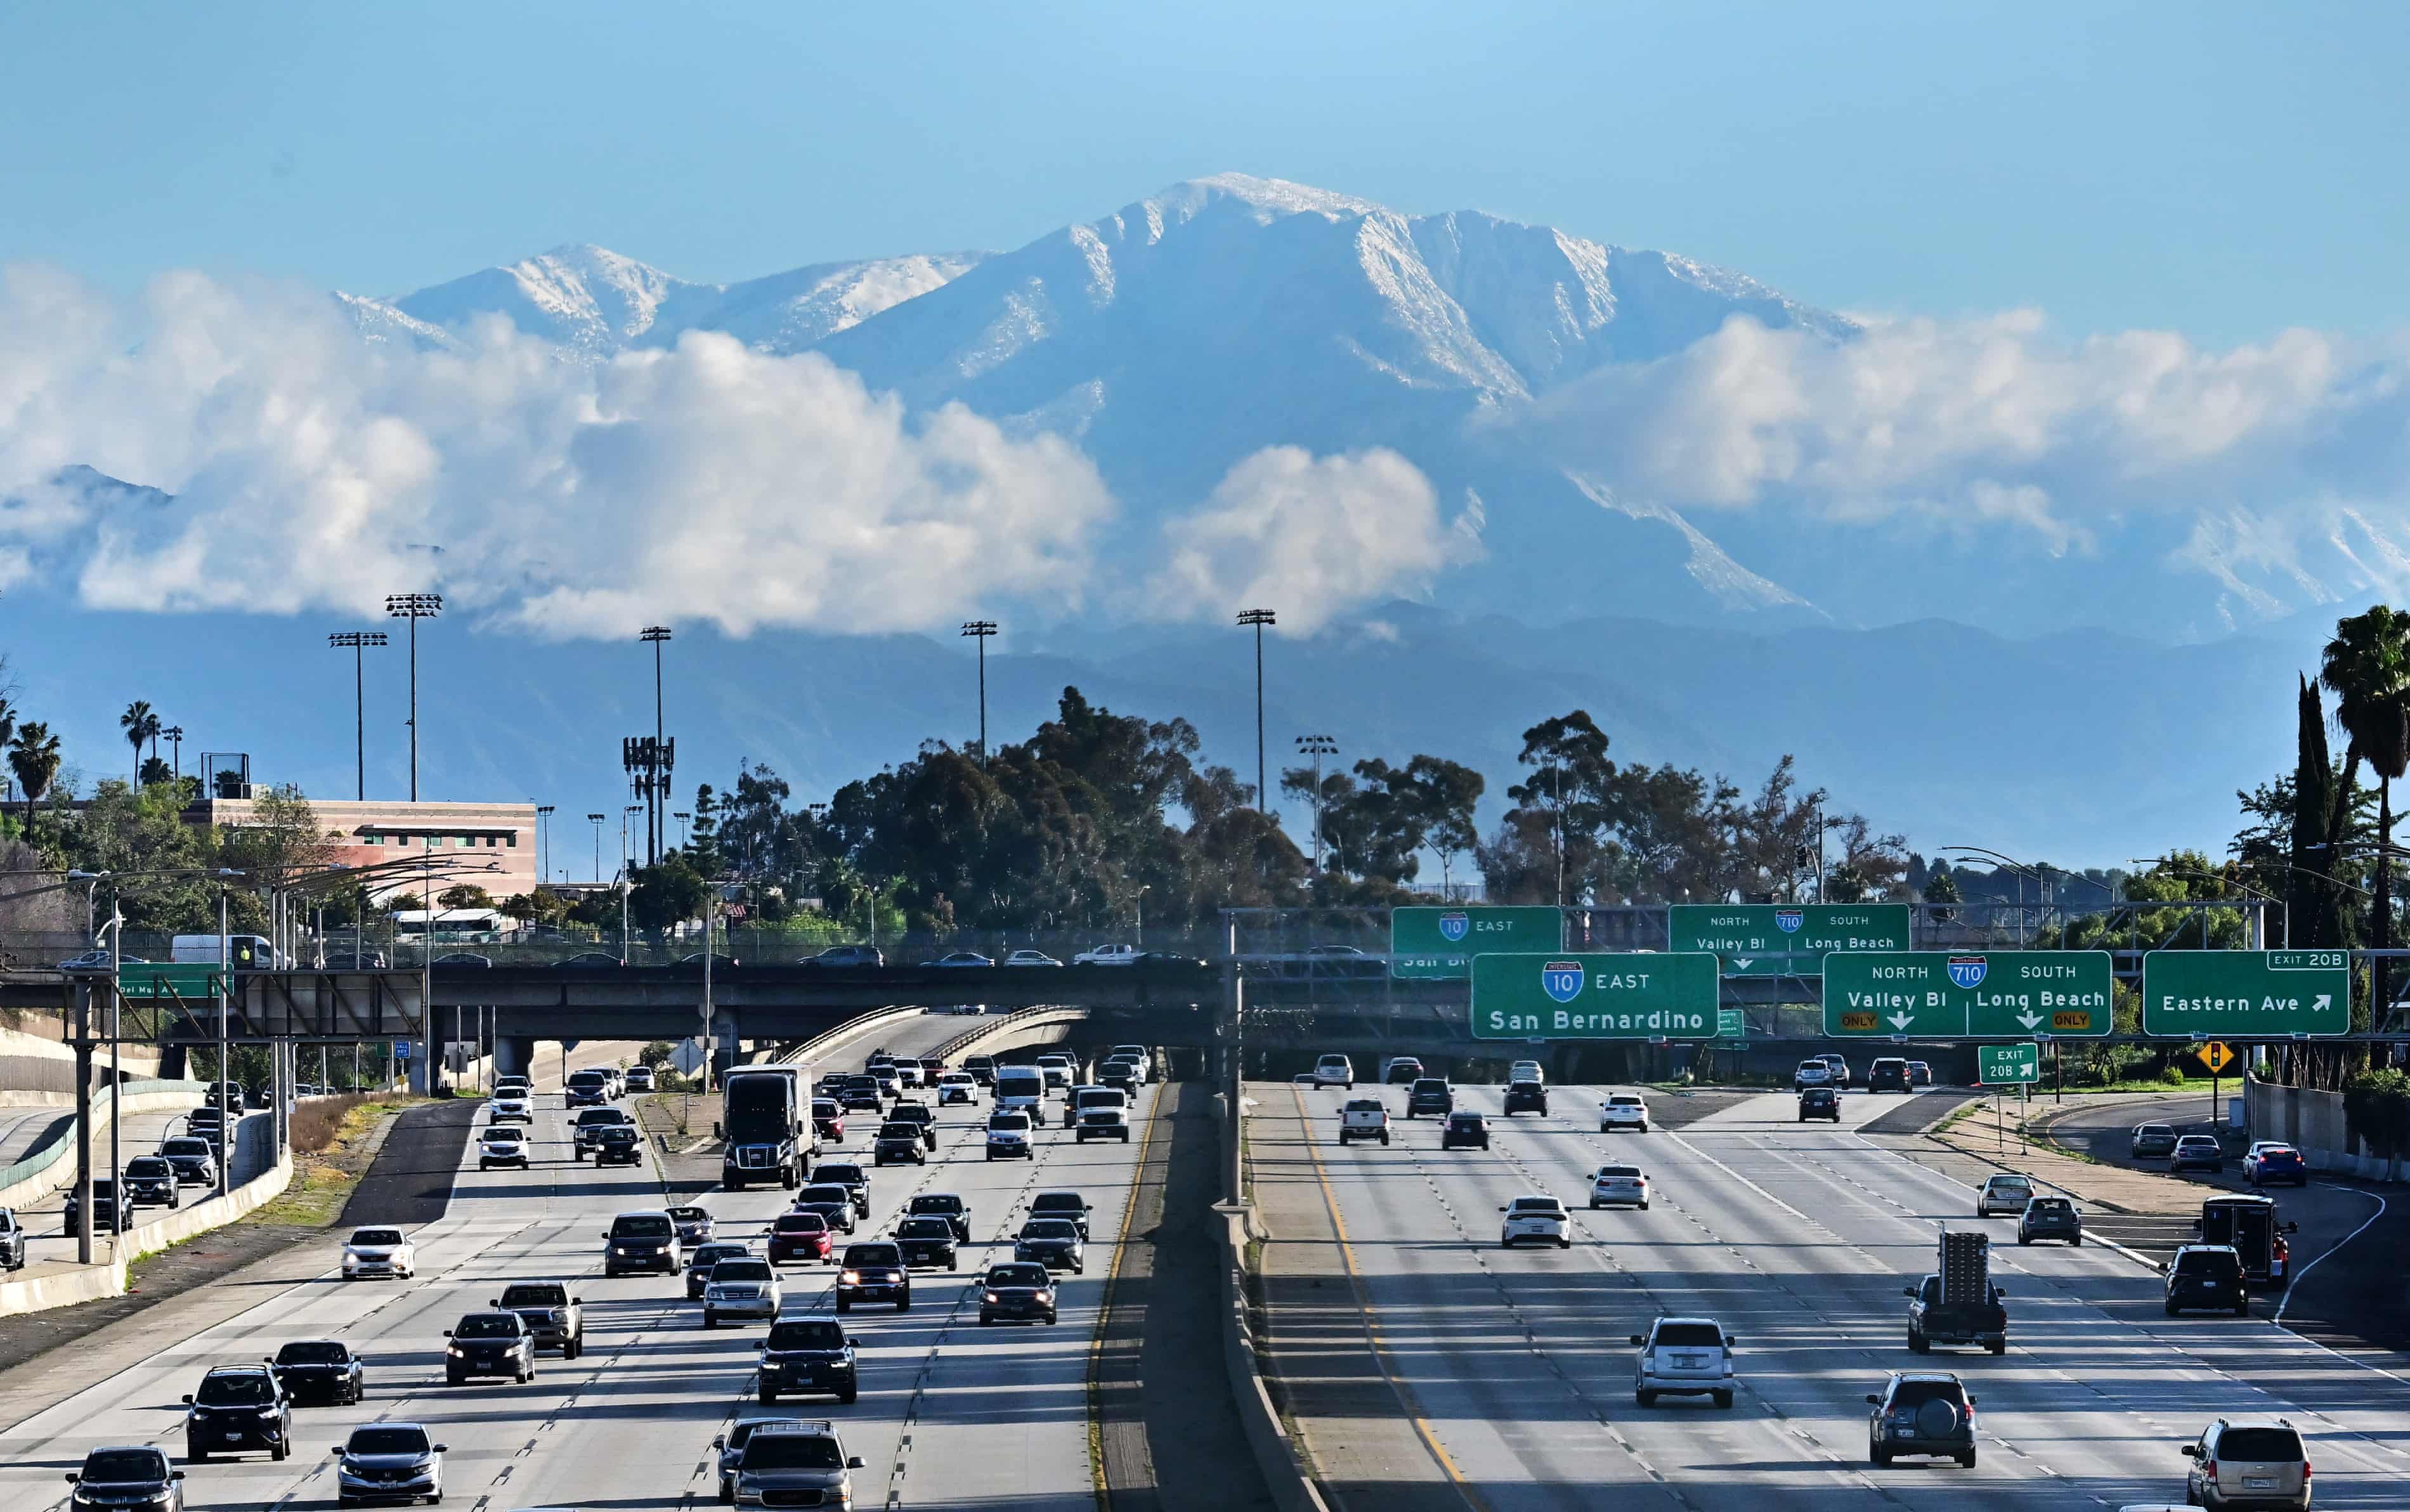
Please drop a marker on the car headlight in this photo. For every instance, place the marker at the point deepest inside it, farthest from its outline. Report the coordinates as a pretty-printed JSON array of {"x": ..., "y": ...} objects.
[
  {"x": 457, "y": 1352},
  {"x": 993, "y": 1298},
  {"x": 850, "y": 1277}
]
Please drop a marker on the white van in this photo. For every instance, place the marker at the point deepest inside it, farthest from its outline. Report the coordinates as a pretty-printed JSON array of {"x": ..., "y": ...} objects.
[
  {"x": 1020, "y": 1089},
  {"x": 246, "y": 953}
]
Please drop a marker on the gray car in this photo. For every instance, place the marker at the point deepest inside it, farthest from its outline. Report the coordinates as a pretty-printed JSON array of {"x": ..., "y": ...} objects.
[
  {"x": 731, "y": 1447},
  {"x": 2248, "y": 1461},
  {"x": 1922, "y": 1414},
  {"x": 390, "y": 1461},
  {"x": 1053, "y": 1242},
  {"x": 802, "y": 1466}
]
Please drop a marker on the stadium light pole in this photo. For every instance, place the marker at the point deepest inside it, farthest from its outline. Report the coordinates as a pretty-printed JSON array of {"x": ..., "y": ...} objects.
[
  {"x": 1260, "y": 619},
  {"x": 979, "y": 629},
  {"x": 356, "y": 640},
  {"x": 1317, "y": 747},
  {"x": 543, "y": 849},
  {"x": 682, "y": 816},
  {"x": 656, "y": 826},
  {"x": 175, "y": 734},
  {"x": 413, "y": 607},
  {"x": 597, "y": 821}
]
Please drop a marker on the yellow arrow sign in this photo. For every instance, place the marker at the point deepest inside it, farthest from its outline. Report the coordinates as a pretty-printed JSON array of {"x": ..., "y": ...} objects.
[{"x": 2216, "y": 1055}]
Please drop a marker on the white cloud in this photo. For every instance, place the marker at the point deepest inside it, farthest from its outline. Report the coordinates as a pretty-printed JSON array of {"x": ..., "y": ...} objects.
[
  {"x": 312, "y": 470},
  {"x": 1309, "y": 538},
  {"x": 1988, "y": 419}
]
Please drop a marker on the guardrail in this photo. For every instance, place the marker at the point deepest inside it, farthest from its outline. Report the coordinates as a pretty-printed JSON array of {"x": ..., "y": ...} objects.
[
  {"x": 821, "y": 1043},
  {"x": 1284, "y": 1475},
  {"x": 1023, "y": 1019}
]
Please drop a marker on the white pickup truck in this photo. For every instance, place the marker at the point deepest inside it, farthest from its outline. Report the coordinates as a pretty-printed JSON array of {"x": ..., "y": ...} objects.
[{"x": 1364, "y": 1118}]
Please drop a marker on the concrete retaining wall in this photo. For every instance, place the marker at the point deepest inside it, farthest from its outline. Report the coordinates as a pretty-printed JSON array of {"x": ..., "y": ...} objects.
[
  {"x": 2313, "y": 1121},
  {"x": 52, "y": 1166}
]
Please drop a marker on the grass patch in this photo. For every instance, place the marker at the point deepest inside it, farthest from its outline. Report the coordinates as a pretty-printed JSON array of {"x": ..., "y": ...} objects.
[{"x": 329, "y": 1161}]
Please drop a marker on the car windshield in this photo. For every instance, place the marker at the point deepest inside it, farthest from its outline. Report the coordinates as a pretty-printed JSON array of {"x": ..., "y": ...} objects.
[
  {"x": 146, "y": 1165},
  {"x": 2259, "y": 1446},
  {"x": 1017, "y": 1276},
  {"x": 310, "y": 1352},
  {"x": 831, "y": 1193},
  {"x": 376, "y": 1236},
  {"x": 1058, "y": 1202},
  {"x": 690, "y": 1215},
  {"x": 924, "y": 1229},
  {"x": 2010, "y": 1184},
  {"x": 586, "y": 1079},
  {"x": 1008, "y": 1122},
  {"x": 1913, "y": 1394},
  {"x": 388, "y": 1440},
  {"x": 2154, "y": 1130},
  {"x": 1464, "y": 1120},
  {"x": 1690, "y": 1335},
  {"x": 897, "y": 1128},
  {"x": 742, "y": 1270},
  {"x": 801, "y": 1223},
  {"x": 2054, "y": 1206},
  {"x": 1607, "y": 1173},
  {"x": 243, "y": 1390},
  {"x": 847, "y": 1175},
  {"x": 185, "y": 1146},
  {"x": 1623, "y": 1099},
  {"x": 109, "y": 1466},
  {"x": 487, "y": 1326},
  {"x": 793, "y": 1451},
  {"x": 937, "y": 1202},
  {"x": 642, "y": 1226},
  {"x": 1431, "y": 1084},
  {"x": 859, "y": 1255},
  {"x": 2207, "y": 1262},
  {"x": 812, "y": 1334},
  {"x": 739, "y": 1435},
  {"x": 1050, "y": 1228},
  {"x": 713, "y": 1254},
  {"x": 536, "y": 1294},
  {"x": 1538, "y": 1204}
]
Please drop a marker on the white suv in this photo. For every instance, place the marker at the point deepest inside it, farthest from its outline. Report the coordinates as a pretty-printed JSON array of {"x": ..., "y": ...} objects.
[
  {"x": 1684, "y": 1357},
  {"x": 1334, "y": 1070},
  {"x": 1623, "y": 1110},
  {"x": 1811, "y": 1073},
  {"x": 1541, "y": 1218}
]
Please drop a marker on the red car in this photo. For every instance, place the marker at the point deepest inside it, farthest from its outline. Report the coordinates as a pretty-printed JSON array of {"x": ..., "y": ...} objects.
[
  {"x": 799, "y": 1236},
  {"x": 828, "y": 1119}
]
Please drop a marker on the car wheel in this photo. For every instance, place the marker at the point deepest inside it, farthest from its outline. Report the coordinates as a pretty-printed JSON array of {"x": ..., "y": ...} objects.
[
  {"x": 710, "y": 1319},
  {"x": 769, "y": 1395},
  {"x": 904, "y": 1304},
  {"x": 728, "y": 1493},
  {"x": 1880, "y": 1457},
  {"x": 1646, "y": 1398},
  {"x": 1564, "y": 1243},
  {"x": 2077, "y": 1241},
  {"x": 2171, "y": 1309},
  {"x": 1966, "y": 1459},
  {"x": 2242, "y": 1309},
  {"x": 1999, "y": 1346},
  {"x": 1916, "y": 1344},
  {"x": 1593, "y": 1204},
  {"x": 1723, "y": 1399},
  {"x": 2022, "y": 1240},
  {"x": 985, "y": 1318}
]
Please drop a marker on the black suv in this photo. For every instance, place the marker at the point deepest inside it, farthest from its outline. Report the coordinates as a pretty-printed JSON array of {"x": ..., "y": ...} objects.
[
  {"x": 105, "y": 1213},
  {"x": 1922, "y": 1414},
  {"x": 926, "y": 1242},
  {"x": 946, "y": 1205},
  {"x": 1470, "y": 1130},
  {"x": 1888, "y": 1074},
  {"x": 809, "y": 1354},
  {"x": 1526, "y": 1097},
  {"x": 1060, "y": 1204},
  {"x": 320, "y": 1370},
  {"x": 239, "y": 1409},
  {"x": 1429, "y": 1095},
  {"x": 1819, "y": 1102},
  {"x": 2208, "y": 1276},
  {"x": 898, "y": 1141},
  {"x": 489, "y": 1343},
  {"x": 845, "y": 1173},
  {"x": 873, "y": 1272},
  {"x": 642, "y": 1241},
  {"x": 126, "y": 1475}
]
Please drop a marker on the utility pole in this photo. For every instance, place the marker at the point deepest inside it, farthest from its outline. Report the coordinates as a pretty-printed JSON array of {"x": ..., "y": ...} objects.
[
  {"x": 1260, "y": 619},
  {"x": 979, "y": 629},
  {"x": 543, "y": 849},
  {"x": 1317, "y": 747},
  {"x": 356, "y": 640},
  {"x": 413, "y": 607},
  {"x": 658, "y": 789},
  {"x": 226, "y": 965}
]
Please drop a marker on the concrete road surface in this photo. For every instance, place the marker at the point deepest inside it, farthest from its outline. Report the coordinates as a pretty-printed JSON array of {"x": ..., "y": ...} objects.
[{"x": 950, "y": 1413}]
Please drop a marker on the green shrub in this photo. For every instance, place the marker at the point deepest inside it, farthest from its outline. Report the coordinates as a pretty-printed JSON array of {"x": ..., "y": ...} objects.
[
  {"x": 2172, "y": 1076},
  {"x": 2376, "y": 1109}
]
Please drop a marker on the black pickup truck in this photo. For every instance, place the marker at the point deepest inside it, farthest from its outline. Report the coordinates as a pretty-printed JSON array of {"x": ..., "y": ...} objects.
[{"x": 1958, "y": 1305}]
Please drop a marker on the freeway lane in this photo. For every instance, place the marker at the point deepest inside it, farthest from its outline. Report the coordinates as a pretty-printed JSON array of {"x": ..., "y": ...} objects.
[
  {"x": 950, "y": 1413},
  {"x": 1799, "y": 1239}
]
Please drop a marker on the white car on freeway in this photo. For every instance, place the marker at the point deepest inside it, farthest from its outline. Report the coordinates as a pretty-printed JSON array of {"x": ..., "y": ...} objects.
[
  {"x": 1029, "y": 958},
  {"x": 957, "y": 1087},
  {"x": 2004, "y": 1195},
  {"x": 1811, "y": 1073},
  {"x": 1108, "y": 955},
  {"x": 1541, "y": 1219},
  {"x": 510, "y": 1107},
  {"x": 502, "y": 1144},
  {"x": 1334, "y": 1071},
  {"x": 1526, "y": 1071},
  {"x": 1619, "y": 1186},
  {"x": 1684, "y": 1357},
  {"x": 1623, "y": 1110},
  {"x": 379, "y": 1252},
  {"x": 741, "y": 1288}
]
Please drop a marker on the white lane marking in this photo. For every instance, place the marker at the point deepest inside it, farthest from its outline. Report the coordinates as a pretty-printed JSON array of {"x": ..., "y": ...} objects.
[{"x": 2292, "y": 1287}]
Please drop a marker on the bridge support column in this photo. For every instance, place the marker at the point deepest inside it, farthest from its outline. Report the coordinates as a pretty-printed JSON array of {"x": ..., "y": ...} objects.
[
  {"x": 724, "y": 1036},
  {"x": 515, "y": 1055}
]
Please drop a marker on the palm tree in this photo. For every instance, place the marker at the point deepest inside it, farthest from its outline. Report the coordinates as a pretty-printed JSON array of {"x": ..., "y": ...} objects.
[
  {"x": 2367, "y": 667},
  {"x": 34, "y": 756},
  {"x": 139, "y": 725}
]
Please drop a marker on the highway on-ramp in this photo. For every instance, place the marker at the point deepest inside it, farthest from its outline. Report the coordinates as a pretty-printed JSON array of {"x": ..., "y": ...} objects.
[
  {"x": 1510, "y": 1374},
  {"x": 951, "y": 1413}
]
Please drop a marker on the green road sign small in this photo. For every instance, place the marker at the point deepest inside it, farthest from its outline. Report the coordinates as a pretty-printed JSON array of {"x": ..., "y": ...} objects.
[
  {"x": 1564, "y": 995},
  {"x": 2245, "y": 995},
  {"x": 156, "y": 979},
  {"x": 2008, "y": 1062},
  {"x": 1731, "y": 1023},
  {"x": 1967, "y": 994},
  {"x": 1439, "y": 944},
  {"x": 1766, "y": 939}
]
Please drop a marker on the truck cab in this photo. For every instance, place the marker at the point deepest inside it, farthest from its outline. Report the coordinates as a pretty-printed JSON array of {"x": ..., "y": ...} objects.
[{"x": 767, "y": 1126}]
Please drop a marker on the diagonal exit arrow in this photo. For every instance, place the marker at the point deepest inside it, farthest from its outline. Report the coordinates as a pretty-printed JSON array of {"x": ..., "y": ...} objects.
[{"x": 2322, "y": 1000}]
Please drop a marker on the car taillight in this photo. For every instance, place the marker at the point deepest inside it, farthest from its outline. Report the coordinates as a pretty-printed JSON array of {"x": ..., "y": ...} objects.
[
  {"x": 2209, "y": 1469},
  {"x": 2305, "y": 1472}
]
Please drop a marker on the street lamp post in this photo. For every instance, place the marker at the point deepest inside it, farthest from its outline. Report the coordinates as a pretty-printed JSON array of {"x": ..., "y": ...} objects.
[
  {"x": 1317, "y": 747},
  {"x": 1142, "y": 915},
  {"x": 626, "y": 878},
  {"x": 1260, "y": 619},
  {"x": 356, "y": 640},
  {"x": 542, "y": 847},
  {"x": 413, "y": 607},
  {"x": 656, "y": 827},
  {"x": 979, "y": 629}
]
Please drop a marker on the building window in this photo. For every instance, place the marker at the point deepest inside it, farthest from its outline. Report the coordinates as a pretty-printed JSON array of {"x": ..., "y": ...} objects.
[{"x": 512, "y": 840}]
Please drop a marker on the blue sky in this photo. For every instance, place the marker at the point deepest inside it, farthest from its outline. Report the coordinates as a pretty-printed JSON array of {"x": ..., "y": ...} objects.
[{"x": 2222, "y": 170}]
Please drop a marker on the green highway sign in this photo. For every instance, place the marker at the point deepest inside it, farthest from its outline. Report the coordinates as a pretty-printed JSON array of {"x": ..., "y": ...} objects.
[
  {"x": 2245, "y": 995},
  {"x": 1731, "y": 1023},
  {"x": 1439, "y": 944},
  {"x": 1765, "y": 939},
  {"x": 1967, "y": 994},
  {"x": 153, "y": 979},
  {"x": 2008, "y": 1062},
  {"x": 1563, "y": 996}
]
